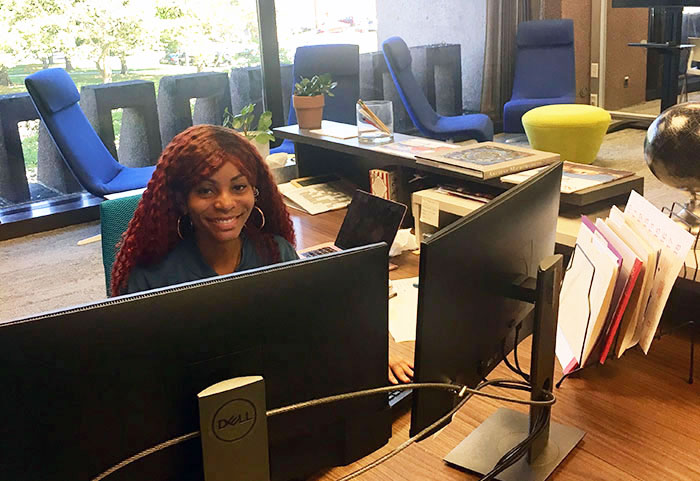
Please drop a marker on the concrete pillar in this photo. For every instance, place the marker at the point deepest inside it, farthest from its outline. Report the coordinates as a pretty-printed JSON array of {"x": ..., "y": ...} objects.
[
  {"x": 246, "y": 88},
  {"x": 211, "y": 91},
  {"x": 139, "y": 140}
]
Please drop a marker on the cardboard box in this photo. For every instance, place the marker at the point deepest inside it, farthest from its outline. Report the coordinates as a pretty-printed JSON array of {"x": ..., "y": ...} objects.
[{"x": 384, "y": 183}]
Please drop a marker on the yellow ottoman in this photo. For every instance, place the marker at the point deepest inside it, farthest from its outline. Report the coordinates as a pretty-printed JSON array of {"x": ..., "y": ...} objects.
[{"x": 574, "y": 131}]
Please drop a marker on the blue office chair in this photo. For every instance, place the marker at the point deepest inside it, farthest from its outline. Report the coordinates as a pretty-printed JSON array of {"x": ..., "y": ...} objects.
[
  {"x": 544, "y": 69},
  {"x": 56, "y": 97},
  {"x": 342, "y": 61},
  {"x": 427, "y": 121}
]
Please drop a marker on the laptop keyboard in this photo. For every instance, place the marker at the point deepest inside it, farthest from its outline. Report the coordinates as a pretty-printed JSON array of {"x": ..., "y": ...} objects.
[{"x": 319, "y": 251}]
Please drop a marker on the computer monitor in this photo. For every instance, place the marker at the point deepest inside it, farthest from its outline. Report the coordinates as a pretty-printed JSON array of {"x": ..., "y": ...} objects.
[
  {"x": 467, "y": 317},
  {"x": 654, "y": 3},
  {"x": 87, "y": 387}
]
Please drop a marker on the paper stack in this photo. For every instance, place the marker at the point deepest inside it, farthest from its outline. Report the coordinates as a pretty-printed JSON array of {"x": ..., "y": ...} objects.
[{"x": 617, "y": 283}]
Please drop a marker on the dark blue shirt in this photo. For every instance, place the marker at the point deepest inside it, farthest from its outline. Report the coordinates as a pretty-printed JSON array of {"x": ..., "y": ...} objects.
[{"x": 185, "y": 263}]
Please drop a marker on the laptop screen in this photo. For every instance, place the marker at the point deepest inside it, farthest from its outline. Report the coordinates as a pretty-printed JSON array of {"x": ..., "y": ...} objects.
[{"x": 370, "y": 219}]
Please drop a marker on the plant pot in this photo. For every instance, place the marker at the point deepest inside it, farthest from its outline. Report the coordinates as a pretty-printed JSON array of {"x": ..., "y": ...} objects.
[
  {"x": 309, "y": 111},
  {"x": 263, "y": 147}
]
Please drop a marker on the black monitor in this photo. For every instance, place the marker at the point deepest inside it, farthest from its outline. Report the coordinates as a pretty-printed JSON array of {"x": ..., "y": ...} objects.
[
  {"x": 87, "y": 387},
  {"x": 467, "y": 317},
  {"x": 654, "y": 3}
]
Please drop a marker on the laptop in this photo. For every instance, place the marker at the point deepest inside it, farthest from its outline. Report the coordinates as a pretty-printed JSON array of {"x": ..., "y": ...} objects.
[{"x": 369, "y": 219}]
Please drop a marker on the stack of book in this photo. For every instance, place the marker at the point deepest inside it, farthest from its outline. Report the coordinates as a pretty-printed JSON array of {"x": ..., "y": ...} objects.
[{"x": 618, "y": 281}]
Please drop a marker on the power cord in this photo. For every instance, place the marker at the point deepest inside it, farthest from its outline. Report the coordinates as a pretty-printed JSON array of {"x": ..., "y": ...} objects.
[{"x": 460, "y": 391}]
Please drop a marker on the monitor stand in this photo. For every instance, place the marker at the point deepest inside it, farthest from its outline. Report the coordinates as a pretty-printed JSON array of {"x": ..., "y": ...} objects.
[{"x": 483, "y": 448}]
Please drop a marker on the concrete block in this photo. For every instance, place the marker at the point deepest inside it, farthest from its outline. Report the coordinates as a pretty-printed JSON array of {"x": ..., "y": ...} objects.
[
  {"x": 139, "y": 140},
  {"x": 212, "y": 94}
]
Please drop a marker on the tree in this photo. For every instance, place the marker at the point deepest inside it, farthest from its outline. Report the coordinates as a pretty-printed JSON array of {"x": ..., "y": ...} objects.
[{"x": 113, "y": 27}]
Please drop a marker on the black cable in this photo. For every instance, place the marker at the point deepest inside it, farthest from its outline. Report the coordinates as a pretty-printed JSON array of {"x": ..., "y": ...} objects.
[{"x": 515, "y": 354}]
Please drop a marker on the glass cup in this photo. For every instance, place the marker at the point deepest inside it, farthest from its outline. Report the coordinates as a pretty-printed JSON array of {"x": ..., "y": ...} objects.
[{"x": 377, "y": 125}]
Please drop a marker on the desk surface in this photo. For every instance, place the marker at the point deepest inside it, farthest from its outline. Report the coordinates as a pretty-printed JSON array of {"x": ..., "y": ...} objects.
[{"x": 640, "y": 416}]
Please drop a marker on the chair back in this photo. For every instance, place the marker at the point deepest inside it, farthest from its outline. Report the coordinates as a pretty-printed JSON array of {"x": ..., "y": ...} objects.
[
  {"x": 398, "y": 60},
  {"x": 56, "y": 97},
  {"x": 115, "y": 215},
  {"x": 342, "y": 61},
  {"x": 544, "y": 64}
]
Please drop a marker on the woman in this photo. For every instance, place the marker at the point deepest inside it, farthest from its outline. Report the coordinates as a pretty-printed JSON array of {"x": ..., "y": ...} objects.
[{"x": 211, "y": 208}]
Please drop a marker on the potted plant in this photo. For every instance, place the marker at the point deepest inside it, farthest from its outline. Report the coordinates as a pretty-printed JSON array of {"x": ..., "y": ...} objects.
[
  {"x": 243, "y": 122},
  {"x": 308, "y": 99}
]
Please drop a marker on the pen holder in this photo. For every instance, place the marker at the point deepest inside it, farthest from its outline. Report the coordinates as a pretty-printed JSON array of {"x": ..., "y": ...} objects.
[{"x": 375, "y": 121}]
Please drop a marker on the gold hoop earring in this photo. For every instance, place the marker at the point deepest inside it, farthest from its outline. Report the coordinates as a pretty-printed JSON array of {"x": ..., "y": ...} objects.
[
  {"x": 179, "y": 227},
  {"x": 262, "y": 216}
]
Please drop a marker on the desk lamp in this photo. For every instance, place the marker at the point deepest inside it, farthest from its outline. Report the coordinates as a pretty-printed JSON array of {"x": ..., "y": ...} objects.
[{"x": 672, "y": 152}]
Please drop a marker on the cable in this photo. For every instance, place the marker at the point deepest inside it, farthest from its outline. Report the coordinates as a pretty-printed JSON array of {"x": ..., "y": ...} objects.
[
  {"x": 504, "y": 383},
  {"x": 457, "y": 389},
  {"x": 515, "y": 354}
]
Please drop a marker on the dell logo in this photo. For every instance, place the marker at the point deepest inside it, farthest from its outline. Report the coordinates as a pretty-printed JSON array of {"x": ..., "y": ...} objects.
[{"x": 234, "y": 420}]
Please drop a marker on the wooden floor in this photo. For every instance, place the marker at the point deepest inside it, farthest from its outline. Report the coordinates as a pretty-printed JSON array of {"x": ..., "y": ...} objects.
[{"x": 641, "y": 417}]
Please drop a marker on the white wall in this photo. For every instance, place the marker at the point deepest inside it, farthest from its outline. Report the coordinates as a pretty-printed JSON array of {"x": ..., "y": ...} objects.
[{"x": 426, "y": 22}]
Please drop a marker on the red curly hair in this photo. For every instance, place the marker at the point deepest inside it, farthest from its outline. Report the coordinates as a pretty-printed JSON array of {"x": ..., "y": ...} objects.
[{"x": 192, "y": 156}]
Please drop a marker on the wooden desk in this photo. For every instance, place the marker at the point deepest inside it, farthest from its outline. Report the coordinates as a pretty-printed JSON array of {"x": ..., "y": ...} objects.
[{"x": 641, "y": 417}]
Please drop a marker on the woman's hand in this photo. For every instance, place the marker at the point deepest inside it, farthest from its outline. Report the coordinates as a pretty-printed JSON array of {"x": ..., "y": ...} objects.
[{"x": 400, "y": 369}]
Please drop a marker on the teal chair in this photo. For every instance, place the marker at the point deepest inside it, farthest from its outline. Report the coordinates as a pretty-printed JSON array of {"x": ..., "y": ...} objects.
[{"x": 115, "y": 215}]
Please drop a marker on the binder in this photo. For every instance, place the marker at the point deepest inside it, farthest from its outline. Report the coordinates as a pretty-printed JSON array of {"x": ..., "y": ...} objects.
[{"x": 629, "y": 274}]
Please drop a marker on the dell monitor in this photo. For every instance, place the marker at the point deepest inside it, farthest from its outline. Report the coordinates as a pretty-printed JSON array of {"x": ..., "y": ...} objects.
[
  {"x": 88, "y": 387},
  {"x": 654, "y": 3}
]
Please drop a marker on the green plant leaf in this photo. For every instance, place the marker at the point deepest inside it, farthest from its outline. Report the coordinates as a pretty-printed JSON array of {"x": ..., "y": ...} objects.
[
  {"x": 265, "y": 121},
  {"x": 264, "y": 137}
]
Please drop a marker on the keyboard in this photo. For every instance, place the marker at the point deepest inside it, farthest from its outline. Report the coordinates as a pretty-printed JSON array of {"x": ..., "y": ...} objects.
[
  {"x": 397, "y": 398},
  {"x": 320, "y": 251}
]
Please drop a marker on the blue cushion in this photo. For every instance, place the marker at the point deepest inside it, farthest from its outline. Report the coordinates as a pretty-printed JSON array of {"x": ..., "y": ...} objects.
[
  {"x": 56, "y": 99},
  {"x": 400, "y": 55},
  {"x": 547, "y": 33},
  {"x": 342, "y": 61},
  {"x": 55, "y": 88},
  {"x": 515, "y": 109},
  {"x": 287, "y": 146},
  {"x": 426, "y": 120}
]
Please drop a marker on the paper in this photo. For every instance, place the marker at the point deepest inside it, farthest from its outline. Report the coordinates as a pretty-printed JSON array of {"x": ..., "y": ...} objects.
[
  {"x": 411, "y": 147},
  {"x": 403, "y": 309},
  {"x": 648, "y": 255},
  {"x": 318, "y": 198},
  {"x": 675, "y": 243},
  {"x": 336, "y": 130},
  {"x": 585, "y": 298},
  {"x": 575, "y": 176},
  {"x": 430, "y": 212}
]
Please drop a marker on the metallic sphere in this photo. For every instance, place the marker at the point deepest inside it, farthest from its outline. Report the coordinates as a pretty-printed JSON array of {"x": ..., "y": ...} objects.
[{"x": 672, "y": 146}]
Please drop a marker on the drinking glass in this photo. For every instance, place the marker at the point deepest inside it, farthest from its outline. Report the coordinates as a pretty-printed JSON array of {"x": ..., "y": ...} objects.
[{"x": 377, "y": 125}]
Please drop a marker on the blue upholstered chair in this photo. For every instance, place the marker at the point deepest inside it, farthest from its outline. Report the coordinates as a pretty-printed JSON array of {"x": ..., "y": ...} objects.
[
  {"x": 342, "y": 61},
  {"x": 56, "y": 97},
  {"x": 427, "y": 121},
  {"x": 544, "y": 69}
]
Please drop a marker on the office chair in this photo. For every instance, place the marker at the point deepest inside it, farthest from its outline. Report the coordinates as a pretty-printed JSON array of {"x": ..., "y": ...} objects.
[
  {"x": 115, "y": 215},
  {"x": 544, "y": 69},
  {"x": 426, "y": 120},
  {"x": 342, "y": 61},
  {"x": 56, "y": 97}
]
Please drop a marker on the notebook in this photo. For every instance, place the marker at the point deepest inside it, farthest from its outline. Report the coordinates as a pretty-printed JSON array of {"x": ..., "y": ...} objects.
[{"x": 369, "y": 219}]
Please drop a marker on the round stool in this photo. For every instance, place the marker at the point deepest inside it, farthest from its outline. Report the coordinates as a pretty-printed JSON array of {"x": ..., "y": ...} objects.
[{"x": 574, "y": 131}]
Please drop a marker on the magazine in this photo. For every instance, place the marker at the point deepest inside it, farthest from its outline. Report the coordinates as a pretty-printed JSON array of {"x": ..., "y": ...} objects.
[
  {"x": 575, "y": 177},
  {"x": 488, "y": 160},
  {"x": 315, "y": 198},
  {"x": 415, "y": 146}
]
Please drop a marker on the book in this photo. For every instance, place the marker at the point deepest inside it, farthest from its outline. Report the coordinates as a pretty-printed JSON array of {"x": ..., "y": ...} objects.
[
  {"x": 575, "y": 177},
  {"x": 317, "y": 197},
  {"x": 488, "y": 160}
]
